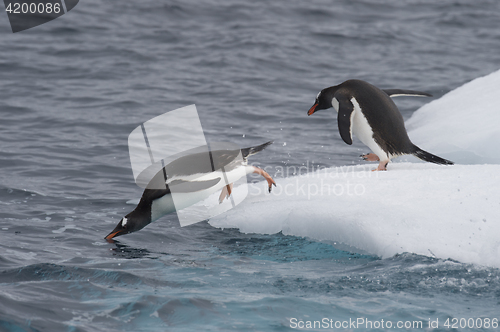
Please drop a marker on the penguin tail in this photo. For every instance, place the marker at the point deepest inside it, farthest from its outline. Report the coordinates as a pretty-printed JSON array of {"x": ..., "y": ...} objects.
[
  {"x": 429, "y": 157},
  {"x": 246, "y": 152}
]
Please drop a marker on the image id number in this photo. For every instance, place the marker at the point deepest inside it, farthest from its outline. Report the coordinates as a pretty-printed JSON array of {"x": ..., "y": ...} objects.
[
  {"x": 471, "y": 323},
  {"x": 33, "y": 8}
]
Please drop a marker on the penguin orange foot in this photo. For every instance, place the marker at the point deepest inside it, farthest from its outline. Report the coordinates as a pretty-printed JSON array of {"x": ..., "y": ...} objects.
[
  {"x": 370, "y": 157},
  {"x": 266, "y": 176},
  {"x": 382, "y": 166}
]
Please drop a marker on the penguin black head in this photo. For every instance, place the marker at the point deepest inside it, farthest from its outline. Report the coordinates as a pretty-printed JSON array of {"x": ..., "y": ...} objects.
[
  {"x": 132, "y": 222},
  {"x": 323, "y": 100}
]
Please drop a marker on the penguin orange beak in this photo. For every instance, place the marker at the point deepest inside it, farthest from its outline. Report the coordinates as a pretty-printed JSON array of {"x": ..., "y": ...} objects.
[
  {"x": 312, "y": 109},
  {"x": 119, "y": 230},
  {"x": 112, "y": 235}
]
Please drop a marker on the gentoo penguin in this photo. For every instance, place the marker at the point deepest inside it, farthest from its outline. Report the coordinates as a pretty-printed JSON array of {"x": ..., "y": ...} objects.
[
  {"x": 370, "y": 114},
  {"x": 189, "y": 177}
]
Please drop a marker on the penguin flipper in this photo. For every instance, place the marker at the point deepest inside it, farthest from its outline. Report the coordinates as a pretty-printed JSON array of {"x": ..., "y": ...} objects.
[
  {"x": 344, "y": 119},
  {"x": 400, "y": 92},
  {"x": 180, "y": 186}
]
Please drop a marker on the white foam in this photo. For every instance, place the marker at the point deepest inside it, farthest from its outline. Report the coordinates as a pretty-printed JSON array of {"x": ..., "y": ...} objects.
[
  {"x": 443, "y": 211},
  {"x": 64, "y": 228}
]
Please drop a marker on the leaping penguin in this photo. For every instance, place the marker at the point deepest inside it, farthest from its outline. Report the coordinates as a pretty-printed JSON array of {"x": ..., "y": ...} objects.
[
  {"x": 189, "y": 177},
  {"x": 370, "y": 114}
]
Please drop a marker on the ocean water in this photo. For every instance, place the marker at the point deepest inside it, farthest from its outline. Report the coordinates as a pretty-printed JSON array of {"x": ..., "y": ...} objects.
[{"x": 73, "y": 89}]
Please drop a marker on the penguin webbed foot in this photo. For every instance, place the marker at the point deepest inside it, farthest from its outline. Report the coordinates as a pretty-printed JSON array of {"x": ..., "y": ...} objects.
[
  {"x": 266, "y": 176},
  {"x": 370, "y": 157},
  {"x": 382, "y": 166},
  {"x": 226, "y": 192}
]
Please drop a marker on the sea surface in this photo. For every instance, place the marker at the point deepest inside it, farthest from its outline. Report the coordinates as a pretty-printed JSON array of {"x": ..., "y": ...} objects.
[{"x": 72, "y": 90}]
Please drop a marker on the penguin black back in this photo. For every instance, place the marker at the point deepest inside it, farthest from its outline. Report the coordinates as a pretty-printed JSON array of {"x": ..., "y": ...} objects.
[{"x": 382, "y": 114}]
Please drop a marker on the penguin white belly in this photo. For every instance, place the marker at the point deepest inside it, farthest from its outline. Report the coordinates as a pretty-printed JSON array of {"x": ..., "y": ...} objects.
[
  {"x": 362, "y": 129},
  {"x": 162, "y": 206}
]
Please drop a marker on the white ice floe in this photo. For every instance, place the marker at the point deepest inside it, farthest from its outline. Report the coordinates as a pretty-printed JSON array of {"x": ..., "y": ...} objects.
[{"x": 463, "y": 125}]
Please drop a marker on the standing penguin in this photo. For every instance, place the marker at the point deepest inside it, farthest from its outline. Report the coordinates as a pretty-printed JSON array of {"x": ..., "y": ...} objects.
[{"x": 370, "y": 114}]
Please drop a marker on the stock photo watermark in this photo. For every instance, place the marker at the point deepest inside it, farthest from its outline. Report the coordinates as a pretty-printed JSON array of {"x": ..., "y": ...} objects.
[
  {"x": 170, "y": 152},
  {"x": 310, "y": 181},
  {"x": 366, "y": 323}
]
